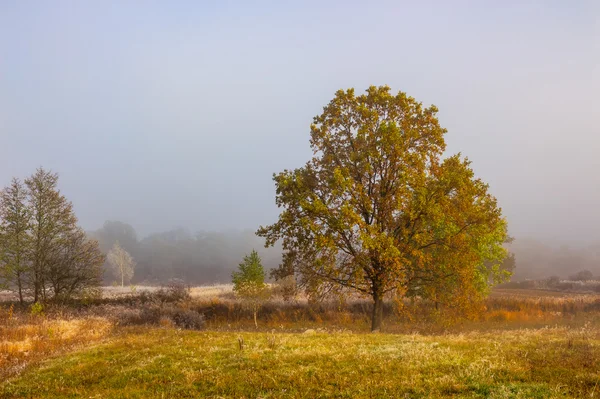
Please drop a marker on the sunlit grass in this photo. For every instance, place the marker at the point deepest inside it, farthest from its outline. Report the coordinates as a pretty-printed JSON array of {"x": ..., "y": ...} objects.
[
  {"x": 545, "y": 363},
  {"x": 27, "y": 340},
  {"x": 524, "y": 344}
]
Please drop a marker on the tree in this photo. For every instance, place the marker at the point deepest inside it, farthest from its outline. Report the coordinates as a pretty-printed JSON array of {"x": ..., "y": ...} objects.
[
  {"x": 76, "y": 266},
  {"x": 52, "y": 223},
  {"x": 42, "y": 250},
  {"x": 15, "y": 220},
  {"x": 582, "y": 275},
  {"x": 249, "y": 282},
  {"x": 377, "y": 210},
  {"x": 121, "y": 262},
  {"x": 115, "y": 231}
]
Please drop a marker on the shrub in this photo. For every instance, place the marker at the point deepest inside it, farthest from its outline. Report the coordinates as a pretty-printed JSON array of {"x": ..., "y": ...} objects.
[
  {"x": 175, "y": 291},
  {"x": 136, "y": 317},
  {"x": 161, "y": 316},
  {"x": 186, "y": 318},
  {"x": 553, "y": 281},
  {"x": 36, "y": 309},
  {"x": 583, "y": 275}
]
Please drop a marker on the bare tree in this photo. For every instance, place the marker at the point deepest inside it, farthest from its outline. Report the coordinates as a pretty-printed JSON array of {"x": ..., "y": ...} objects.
[
  {"x": 121, "y": 262},
  {"x": 75, "y": 267}
]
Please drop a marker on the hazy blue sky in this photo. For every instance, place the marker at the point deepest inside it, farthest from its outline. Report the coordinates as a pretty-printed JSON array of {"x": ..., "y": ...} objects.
[{"x": 164, "y": 114}]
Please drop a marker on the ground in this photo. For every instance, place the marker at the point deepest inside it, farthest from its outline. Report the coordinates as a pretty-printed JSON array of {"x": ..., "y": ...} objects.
[{"x": 505, "y": 355}]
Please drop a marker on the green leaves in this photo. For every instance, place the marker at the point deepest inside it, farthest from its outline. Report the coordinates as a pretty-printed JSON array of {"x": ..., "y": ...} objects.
[
  {"x": 378, "y": 210},
  {"x": 249, "y": 280}
]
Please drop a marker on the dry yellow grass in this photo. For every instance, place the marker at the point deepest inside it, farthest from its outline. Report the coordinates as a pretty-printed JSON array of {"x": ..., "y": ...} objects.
[
  {"x": 212, "y": 291},
  {"x": 537, "y": 342},
  {"x": 25, "y": 340}
]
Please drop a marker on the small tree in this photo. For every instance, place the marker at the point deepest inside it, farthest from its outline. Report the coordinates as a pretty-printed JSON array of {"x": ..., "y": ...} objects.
[
  {"x": 121, "y": 262},
  {"x": 14, "y": 236},
  {"x": 249, "y": 282}
]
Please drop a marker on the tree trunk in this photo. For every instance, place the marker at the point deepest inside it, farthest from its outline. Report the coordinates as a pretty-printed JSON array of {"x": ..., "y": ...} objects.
[
  {"x": 20, "y": 285},
  {"x": 255, "y": 322},
  {"x": 377, "y": 317},
  {"x": 36, "y": 289},
  {"x": 122, "y": 280}
]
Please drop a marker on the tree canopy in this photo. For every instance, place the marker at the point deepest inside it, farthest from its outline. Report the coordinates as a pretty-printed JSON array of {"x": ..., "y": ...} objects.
[{"x": 379, "y": 210}]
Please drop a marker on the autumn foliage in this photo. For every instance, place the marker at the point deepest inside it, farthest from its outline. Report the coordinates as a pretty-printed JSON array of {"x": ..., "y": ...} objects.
[{"x": 379, "y": 210}]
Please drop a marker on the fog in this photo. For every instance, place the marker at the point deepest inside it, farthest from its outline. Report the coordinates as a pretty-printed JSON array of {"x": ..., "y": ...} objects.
[{"x": 166, "y": 115}]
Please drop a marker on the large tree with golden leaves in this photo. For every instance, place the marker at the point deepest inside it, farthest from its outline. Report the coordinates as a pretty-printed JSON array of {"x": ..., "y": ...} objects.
[{"x": 379, "y": 210}]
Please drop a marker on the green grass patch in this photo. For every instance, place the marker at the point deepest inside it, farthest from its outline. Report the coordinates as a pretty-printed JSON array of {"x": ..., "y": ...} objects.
[{"x": 168, "y": 363}]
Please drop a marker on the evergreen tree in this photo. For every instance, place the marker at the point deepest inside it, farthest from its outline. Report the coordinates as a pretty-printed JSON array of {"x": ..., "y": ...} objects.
[{"x": 249, "y": 282}]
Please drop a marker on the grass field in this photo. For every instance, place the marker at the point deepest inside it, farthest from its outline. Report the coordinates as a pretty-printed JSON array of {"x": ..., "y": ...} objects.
[
  {"x": 169, "y": 363},
  {"x": 526, "y": 345}
]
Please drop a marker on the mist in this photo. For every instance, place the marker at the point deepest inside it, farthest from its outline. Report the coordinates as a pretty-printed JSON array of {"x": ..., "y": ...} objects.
[{"x": 167, "y": 116}]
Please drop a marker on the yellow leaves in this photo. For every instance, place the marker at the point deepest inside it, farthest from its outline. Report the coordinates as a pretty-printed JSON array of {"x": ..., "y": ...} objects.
[
  {"x": 349, "y": 217},
  {"x": 377, "y": 206},
  {"x": 339, "y": 179}
]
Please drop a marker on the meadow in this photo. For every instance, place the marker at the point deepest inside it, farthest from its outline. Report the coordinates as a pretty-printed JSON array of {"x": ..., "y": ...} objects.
[{"x": 525, "y": 343}]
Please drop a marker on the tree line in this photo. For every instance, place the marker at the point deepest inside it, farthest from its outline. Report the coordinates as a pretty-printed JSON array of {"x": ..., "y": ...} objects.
[
  {"x": 539, "y": 260},
  {"x": 44, "y": 254},
  {"x": 204, "y": 257}
]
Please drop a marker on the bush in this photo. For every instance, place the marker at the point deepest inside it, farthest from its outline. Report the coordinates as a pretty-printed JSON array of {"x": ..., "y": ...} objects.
[
  {"x": 37, "y": 309},
  {"x": 526, "y": 284},
  {"x": 176, "y": 291},
  {"x": 553, "y": 281},
  {"x": 187, "y": 319},
  {"x": 583, "y": 275},
  {"x": 564, "y": 286},
  {"x": 160, "y": 315},
  {"x": 130, "y": 317}
]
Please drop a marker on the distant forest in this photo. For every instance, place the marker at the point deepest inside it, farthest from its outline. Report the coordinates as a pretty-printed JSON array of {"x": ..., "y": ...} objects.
[
  {"x": 197, "y": 258},
  {"x": 536, "y": 260},
  {"x": 209, "y": 257}
]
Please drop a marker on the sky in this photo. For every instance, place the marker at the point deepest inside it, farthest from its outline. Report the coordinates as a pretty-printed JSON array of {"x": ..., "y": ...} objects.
[{"x": 164, "y": 114}]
